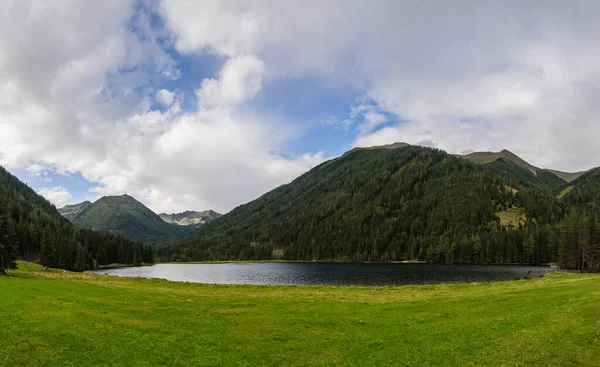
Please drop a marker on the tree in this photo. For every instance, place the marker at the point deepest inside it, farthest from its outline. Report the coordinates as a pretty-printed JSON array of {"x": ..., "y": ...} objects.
[
  {"x": 137, "y": 255},
  {"x": 81, "y": 259},
  {"x": 49, "y": 259},
  {"x": 9, "y": 244},
  {"x": 529, "y": 249}
]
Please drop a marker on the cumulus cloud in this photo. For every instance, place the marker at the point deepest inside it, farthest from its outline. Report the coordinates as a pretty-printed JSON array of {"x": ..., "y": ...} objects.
[
  {"x": 86, "y": 109},
  {"x": 459, "y": 76},
  {"x": 59, "y": 196},
  {"x": 239, "y": 80},
  {"x": 165, "y": 97},
  {"x": 467, "y": 75},
  {"x": 35, "y": 169}
]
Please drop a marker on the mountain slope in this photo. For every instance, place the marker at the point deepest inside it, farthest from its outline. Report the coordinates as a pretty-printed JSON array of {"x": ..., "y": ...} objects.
[
  {"x": 71, "y": 211},
  {"x": 583, "y": 192},
  {"x": 369, "y": 204},
  {"x": 43, "y": 234},
  {"x": 125, "y": 215},
  {"x": 520, "y": 172},
  {"x": 190, "y": 218},
  {"x": 567, "y": 176}
]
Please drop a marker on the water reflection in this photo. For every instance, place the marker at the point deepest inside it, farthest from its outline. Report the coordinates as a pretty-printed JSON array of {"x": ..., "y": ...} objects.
[{"x": 329, "y": 273}]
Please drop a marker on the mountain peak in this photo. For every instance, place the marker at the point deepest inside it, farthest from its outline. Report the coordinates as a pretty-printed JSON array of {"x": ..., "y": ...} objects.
[
  {"x": 72, "y": 211},
  {"x": 126, "y": 215},
  {"x": 395, "y": 145},
  {"x": 190, "y": 218}
]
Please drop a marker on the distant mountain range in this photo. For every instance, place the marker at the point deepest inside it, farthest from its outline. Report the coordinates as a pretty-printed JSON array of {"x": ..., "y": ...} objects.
[
  {"x": 512, "y": 166},
  {"x": 125, "y": 215},
  {"x": 190, "y": 218},
  {"x": 72, "y": 211}
]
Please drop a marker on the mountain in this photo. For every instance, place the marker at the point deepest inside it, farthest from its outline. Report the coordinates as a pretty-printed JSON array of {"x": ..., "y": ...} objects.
[
  {"x": 190, "y": 218},
  {"x": 373, "y": 204},
  {"x": 71, "y": 211},
  {"x": 127, "y": 216},
  {"x": 511, "y": 166},
  {"x": 583, "y": 192},
  {"x": 43, "y": 234},
  {"x": 567, "y": 176}
]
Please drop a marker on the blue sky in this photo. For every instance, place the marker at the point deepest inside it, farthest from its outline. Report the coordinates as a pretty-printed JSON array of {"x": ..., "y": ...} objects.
[{"x": 209, "y": 104}]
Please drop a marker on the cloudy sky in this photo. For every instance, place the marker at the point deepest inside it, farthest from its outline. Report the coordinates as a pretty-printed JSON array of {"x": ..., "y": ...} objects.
[{"x": 209, "y": 104}]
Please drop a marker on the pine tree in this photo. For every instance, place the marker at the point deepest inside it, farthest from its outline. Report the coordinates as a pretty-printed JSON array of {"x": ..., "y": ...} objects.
[
  {"x": 137, "y": 255},
  {"x": 101, "y": 255},
  {"x": 8, "y": 239},
  {"x": 48, "y": 250},
  {"x": 81, "y": 259},
  {"x": 529, "y": 249}
]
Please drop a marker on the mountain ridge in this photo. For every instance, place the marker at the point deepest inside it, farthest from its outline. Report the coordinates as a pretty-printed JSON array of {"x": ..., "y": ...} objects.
[
  {"x": 490, "y": 157},
  {"x": 368, "y": 205},
  {"x": 126, "y": 215},
  {"x": 190, "y": 217},
  {"x": 71, "y": 211}
]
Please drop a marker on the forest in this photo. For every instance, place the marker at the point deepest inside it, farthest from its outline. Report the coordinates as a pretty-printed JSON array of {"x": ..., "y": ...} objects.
[
  {"x": 369, "y": 205},
  {"x": 32, "y": 229},
  {"x": 413, "y": 203}
]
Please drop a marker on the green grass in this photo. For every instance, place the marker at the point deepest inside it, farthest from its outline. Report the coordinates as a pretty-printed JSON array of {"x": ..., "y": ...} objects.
[
  {"x": 512, "y": 217},
  {"x": 564, "y": 192},
  {"x": 66, "y": 319}
]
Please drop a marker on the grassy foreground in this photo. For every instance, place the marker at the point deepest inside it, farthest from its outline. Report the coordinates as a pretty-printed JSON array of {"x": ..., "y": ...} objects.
[{"x": 69, "y": 319}]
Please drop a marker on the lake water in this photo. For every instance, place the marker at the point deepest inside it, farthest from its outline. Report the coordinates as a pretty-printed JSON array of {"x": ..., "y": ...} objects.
[{"x": 329, "y": 273}]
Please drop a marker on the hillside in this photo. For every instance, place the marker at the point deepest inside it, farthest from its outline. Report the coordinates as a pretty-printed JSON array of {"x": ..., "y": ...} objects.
[
  {"x": 583, "y": 192},
  {"x": 41, "y": 233},
  {"x": 370, "y": 204},
  {"x": 567, "y": 176},
  {"x": 190, "y": 218},
  {"x": 71, "y": 211},
  {"x": 518, "y": 171},
  {"x": 127, "y": 216}
]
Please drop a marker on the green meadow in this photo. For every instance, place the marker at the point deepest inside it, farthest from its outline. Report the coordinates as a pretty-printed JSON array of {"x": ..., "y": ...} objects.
[{"x": 56, "y": 318}]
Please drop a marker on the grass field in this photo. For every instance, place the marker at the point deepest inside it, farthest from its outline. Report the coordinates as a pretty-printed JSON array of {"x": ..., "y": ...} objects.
[
  {"x": 563, "y": 193},
  {"x": 512, "y": 217},
  {"x": 69, "y": 319}
]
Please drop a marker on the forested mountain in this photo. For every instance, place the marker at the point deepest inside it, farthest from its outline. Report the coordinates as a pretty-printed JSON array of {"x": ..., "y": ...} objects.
[
  {"x": 190, "y": 218},
  {"x": 518, "y": 171},
  {"x": 404, "y": 203},
  {"x": 125, "y": 215},
  {"x": 33, "y": 226},
  {"x": 370, "y": 204},
  {"x": 584, "y": 192},
  {"x": 72, "y": 211}
]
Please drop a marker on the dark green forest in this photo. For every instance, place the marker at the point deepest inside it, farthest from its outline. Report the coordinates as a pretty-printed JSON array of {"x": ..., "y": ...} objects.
[
  {"x": 31, "y": 228},
  {"x": 126, "y": 216},
  {"x": 524, "y": 177},
  {"x": 376, "y": 205},
  {"x": 411, "y": 203}
]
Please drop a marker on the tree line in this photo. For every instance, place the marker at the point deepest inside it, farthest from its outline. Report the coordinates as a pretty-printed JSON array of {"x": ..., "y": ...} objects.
[
  {"x": 391, "y": 205},
  {"x": 32, "y": 229}
]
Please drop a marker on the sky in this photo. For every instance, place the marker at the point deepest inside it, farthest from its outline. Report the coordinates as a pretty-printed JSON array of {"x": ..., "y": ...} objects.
[{"x": 194, "y": 105}]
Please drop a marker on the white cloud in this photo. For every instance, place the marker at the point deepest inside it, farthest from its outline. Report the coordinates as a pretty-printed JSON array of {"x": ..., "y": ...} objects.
[
  {"x": 239, "y": 80},
  {"x": 478, "y": 75},
  {"x": 35, "y": 169},
  {"x": 481, "y": 76},
  {"x": 59, "y": 196},
  {"x": 165, "y": 97}
]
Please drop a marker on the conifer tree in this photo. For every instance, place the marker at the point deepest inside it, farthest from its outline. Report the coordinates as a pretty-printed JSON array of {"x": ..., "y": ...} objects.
[
  {"x": 49, "y": 259},
  {"x": 81, "y": 259},
  {"x": 8, "y": 239}
]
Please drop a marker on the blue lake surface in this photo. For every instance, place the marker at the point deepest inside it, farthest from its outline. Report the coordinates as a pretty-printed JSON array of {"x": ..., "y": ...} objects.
[{"x": 339, "y": 274}]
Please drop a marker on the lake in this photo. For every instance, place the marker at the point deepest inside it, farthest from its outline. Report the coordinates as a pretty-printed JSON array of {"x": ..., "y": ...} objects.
[{"x": 329, "y": 273}]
